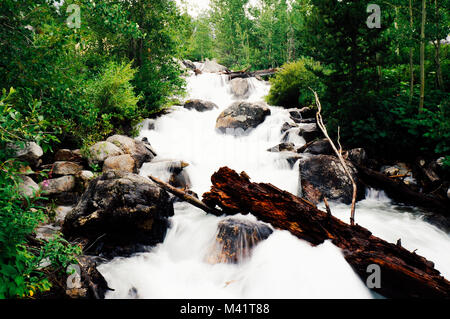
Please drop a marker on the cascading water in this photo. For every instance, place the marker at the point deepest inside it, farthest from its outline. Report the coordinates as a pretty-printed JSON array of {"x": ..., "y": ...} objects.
[{"x": 281, "y": 266}]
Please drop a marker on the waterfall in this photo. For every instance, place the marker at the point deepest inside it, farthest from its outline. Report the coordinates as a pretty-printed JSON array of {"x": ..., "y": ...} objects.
[{"x": 281, "y": 266}]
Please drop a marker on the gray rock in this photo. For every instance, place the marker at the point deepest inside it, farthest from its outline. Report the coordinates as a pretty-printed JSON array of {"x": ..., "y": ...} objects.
[
  {"x": 30, "y": 152},
  {"x": 65, "y": 154},
  {"x": 120, "y": 163},
  {"x": 28, "y": 187},
  {"x": 189, "y": 64},
  {"x": 309, "y": 131},
  {"x": 235, "y": 240},
  {"x": 139, "y": 150},
  {"x": 100, "y": 151},
  {"x": 200, "y": 105},
  {"x": 240, "y": 117},
  {"x": 287, "y": 126},
  {"x": 121, "y": 212},
  {"x": 357, "y": 156},
  {"x": 320, "y": 147},
  {"x": 66, "y": 168},
  {"x": 58, "y": 185},
  {"x": 323, "y": 175},
  {"x": 240, "y": 88},
  {"x": 282, "y": 147},
  {"x": 211, "y": 66}
]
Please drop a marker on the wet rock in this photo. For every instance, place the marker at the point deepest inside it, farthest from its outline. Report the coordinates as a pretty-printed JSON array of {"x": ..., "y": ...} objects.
[
  {"x": 28, "y": 187},
  {"x": 100, "y": 151},
  {"x": 200, "y": 105},
  {"x": 58, "y": 185},
  {"x": 309, "y": 131},
  {"x": 140, "y": 151},
  {"x": 66, "y": 168},
  {"x": 240, "y": 88},
  {"x": 89, "y": 283},
  {"x": 323, "y": 175},
  {"x": 402, "y": 171},
  {"x": 240, "y": 117},
  {"x": 119, "y": 214},
  {"x": 120, "y": 163},
  {"x": 29, "y": 152},
  {"x": 303, "y": 113},
  {"x": 357, "y": 155},
  {"x": 189, "y": 64},
  {"x": 282, "y": 147},
  {"x": 287, "y": 126},
  {"x": 320, "y": 147},
  {"x": 235, "y": 239}
]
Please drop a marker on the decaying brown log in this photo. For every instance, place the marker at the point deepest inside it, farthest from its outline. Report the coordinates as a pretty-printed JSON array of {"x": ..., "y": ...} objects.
[
  {"x": 397, "y": 190},
  {"x": 403, "y": 274}
]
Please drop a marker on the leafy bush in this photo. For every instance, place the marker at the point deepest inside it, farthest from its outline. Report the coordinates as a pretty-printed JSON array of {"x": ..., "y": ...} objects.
[
  {"x": 112, "y": 101},
  {"x": 290, "y": 86}
]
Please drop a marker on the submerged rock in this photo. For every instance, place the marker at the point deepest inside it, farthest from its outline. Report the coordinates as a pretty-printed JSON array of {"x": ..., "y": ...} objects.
[
  {"x": 240, "y": 88},
  {"x": 241, "y": 117},
  {"x": 200, "y": 105},
  {"x": 235, "y": 239},
  {"x": 119, "y": 214},
  {"x": 323, "y": 175}
]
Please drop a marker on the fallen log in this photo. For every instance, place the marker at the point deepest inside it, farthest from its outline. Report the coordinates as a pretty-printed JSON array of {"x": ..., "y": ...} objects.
[
  {"x": 246, "y": 74},
  {"x": 403, "y": 274},
  {"x": 399, "y": 191}
]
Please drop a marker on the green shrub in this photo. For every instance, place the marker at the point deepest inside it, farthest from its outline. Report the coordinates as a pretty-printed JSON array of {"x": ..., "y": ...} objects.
[
  {"x": 290, "y": 86},
  {"x": 111, "y": 98}
]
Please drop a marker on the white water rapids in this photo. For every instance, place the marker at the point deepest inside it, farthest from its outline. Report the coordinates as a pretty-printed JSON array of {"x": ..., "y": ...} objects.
[{"x": 281, "y": 266}]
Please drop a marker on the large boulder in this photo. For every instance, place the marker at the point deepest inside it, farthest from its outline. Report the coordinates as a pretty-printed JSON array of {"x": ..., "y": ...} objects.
[
  {"x": 240, "y": 88},
  {"x": 241, "y": 117},
  {"x": 211, "y": 66},
  {"x": 200, "y": 105},
  {"x": 140, "y": 151},
  {"x": 323, "y": 176},
  {"x": 120, "y": 213},
  {"x": 235, "y": 240},
  {"x": 100, "y": 151},
  {"x": 29, "y": 152}
]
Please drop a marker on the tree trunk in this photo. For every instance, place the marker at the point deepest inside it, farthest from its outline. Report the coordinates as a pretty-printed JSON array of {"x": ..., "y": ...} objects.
[
  {"x": 440, "y": 79},
  {"x": 411, "y": 64},
  {"x": 403, "y": 274},
  {"x": 422, "y": 56}
]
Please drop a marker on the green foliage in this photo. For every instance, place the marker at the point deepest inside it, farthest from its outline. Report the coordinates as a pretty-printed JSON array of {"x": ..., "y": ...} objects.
[
  {"x": 20, "y": 273},
  {"x": 113, "y": 101},
  {"x": 291, "y": 86}
]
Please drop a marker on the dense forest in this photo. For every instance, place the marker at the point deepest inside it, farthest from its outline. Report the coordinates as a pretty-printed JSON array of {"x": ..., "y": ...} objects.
[{"x": 73, "y": 75}]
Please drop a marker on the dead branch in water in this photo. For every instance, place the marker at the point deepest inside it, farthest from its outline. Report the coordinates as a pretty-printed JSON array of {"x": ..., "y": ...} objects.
[
  {"x": 186, "y": 197},
  {"x": 339, "y": 155}
]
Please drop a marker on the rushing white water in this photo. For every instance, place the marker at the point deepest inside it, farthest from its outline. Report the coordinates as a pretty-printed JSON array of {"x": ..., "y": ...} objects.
[{"x": 281, "y": 266}]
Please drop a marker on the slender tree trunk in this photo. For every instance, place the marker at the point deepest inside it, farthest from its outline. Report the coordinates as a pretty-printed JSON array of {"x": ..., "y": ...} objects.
[
  {"x": 422, "y": 56},
  {"x": 440, "y": 79},
  {"x": 411, "y": 49}
]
